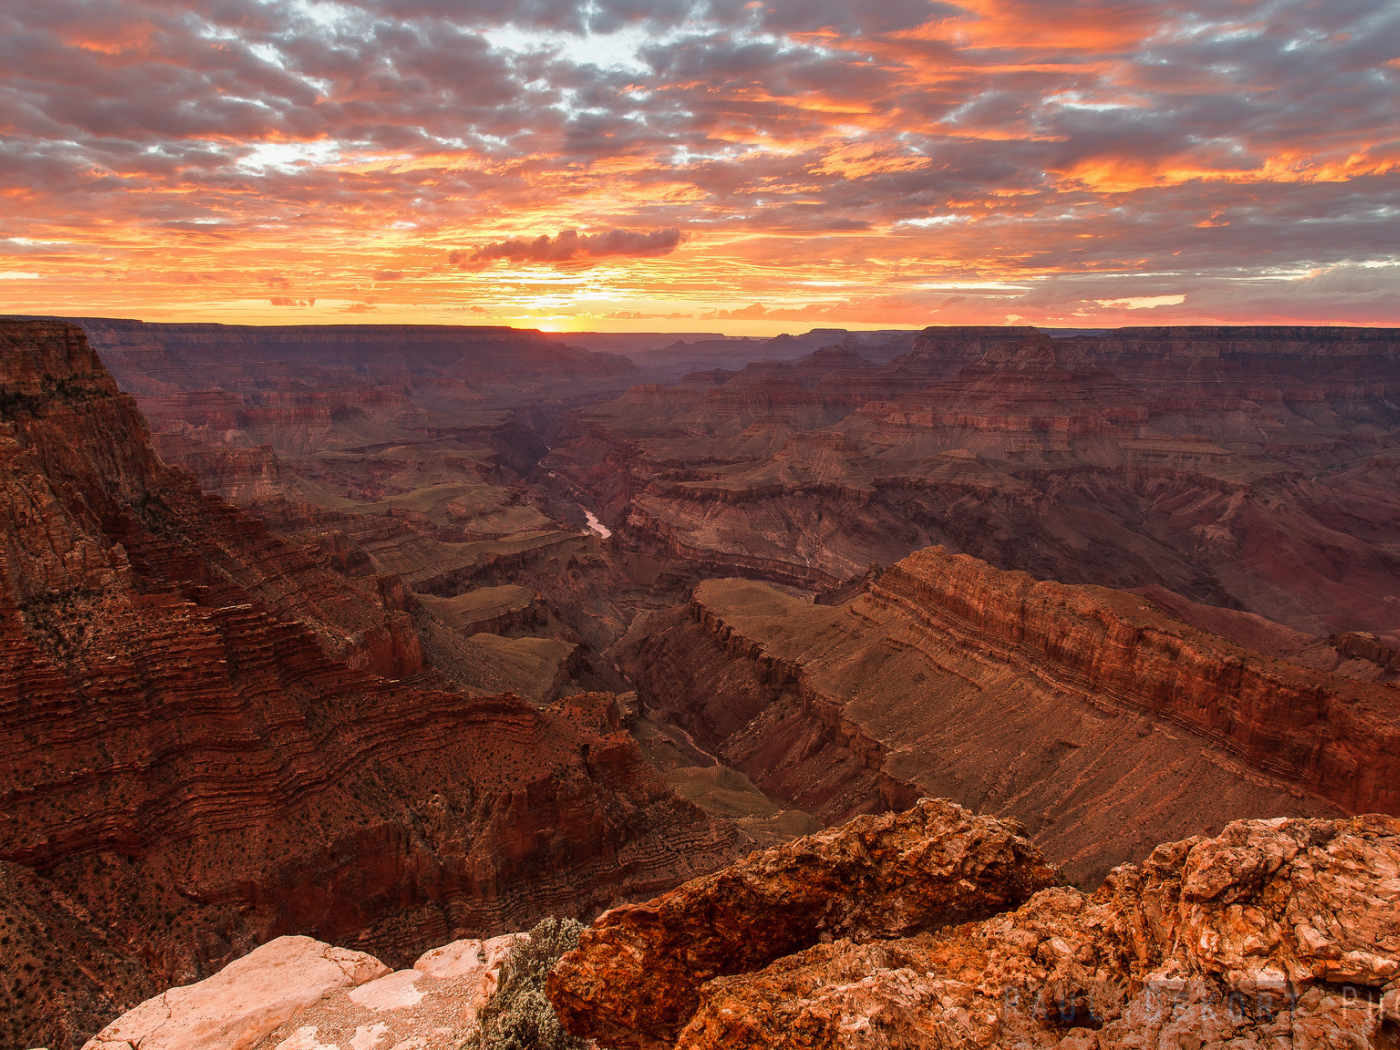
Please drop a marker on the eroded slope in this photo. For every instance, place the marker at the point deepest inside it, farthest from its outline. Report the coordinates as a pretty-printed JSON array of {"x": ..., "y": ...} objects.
[{"x": 1102, "y": 723}]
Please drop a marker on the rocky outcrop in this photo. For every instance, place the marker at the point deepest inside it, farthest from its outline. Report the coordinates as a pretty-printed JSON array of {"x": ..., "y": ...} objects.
[
  {"x": 633, "y": 982},
  {"x": 237, "y": 1007},
  {"x": 190, "y": 769},
  {"x": 1101, "y": 723},
  {"x": 295, "y": 993},
  {"x": 1274, "y": 933},
  {"x": 1360, "y": 645}
]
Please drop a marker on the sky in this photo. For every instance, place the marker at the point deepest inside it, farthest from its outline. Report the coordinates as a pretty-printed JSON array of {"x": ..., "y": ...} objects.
[{"x": 702, "y": 165}]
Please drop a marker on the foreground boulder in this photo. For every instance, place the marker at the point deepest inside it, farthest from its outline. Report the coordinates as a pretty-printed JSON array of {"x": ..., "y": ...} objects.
[
  {"x": 296, "y": 993},
  {"x": 1278, "y": 933},
  {"x": 245, "y": 1001},
  {"x": 636, "y": 977}
]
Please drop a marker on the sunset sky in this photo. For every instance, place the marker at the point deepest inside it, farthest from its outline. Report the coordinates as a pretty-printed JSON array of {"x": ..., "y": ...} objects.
[{"x": 744, "y": 167}]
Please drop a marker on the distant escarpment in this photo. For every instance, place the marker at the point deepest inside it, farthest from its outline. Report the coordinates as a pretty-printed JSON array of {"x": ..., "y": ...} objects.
[
  {"x": 1276, "y": 933},
  {"x": 159, "y": 358},
  {"x": 1251, "y": 469},
  {"x": 337, "y": 413},
  {"x": 212, "y": 739},
  {"x": 1091, "y": 715}
]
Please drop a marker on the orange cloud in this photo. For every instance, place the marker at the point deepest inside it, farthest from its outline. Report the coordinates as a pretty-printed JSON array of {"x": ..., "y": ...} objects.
[
  {"x": 889, "y": 163},
  {"x": 569, "y": 245}
]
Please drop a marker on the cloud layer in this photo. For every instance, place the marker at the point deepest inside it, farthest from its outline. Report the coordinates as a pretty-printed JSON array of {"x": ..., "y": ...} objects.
[
  {"x": 569, "y": 245},
  {"x": 618, "y": 163}
]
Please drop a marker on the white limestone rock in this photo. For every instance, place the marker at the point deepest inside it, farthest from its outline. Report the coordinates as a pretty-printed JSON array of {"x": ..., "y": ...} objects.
[{"x": 237, "y": 1007}]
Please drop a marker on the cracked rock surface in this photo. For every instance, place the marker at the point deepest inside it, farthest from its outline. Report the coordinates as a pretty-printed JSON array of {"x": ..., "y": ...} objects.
[
  {"x": 1277, "y": 933},
  {"x": 637, "y": 974}
]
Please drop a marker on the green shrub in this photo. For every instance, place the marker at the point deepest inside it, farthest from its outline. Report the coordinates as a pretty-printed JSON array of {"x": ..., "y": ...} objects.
[{"x": 519, "y": 1016}]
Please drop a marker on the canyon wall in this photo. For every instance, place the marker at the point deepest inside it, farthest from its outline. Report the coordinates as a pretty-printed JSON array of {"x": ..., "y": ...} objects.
[
  {"x": 1098, "y": 720},
  {"x": 1251, "y": 469},
  {"x": 1337, "y": 738},
  {"x": 214, "y": 739}
]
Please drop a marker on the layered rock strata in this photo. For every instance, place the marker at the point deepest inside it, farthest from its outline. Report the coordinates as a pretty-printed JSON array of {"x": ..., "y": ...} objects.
[
  {"x": 1275, "y": 933},
  {"x": 1099, "y": 721},
  {"x": 1336, "y": 738},
  {"x": 191, "y": 771},
  {"x": 1246, "y": 468}
]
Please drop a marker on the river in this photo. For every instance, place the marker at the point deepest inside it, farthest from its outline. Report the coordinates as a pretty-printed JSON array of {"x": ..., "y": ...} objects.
[{"x": 596, "y": 525}]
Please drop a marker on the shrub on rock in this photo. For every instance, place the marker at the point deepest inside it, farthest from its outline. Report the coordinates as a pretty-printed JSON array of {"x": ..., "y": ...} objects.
[{"x": 519, "y": 1016}]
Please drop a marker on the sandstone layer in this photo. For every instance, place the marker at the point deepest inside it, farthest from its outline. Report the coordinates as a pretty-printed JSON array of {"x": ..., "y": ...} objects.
[
  {"x": 214, "y": 739},
  {"x": 1275, "y": 933},
  {"x": 1103, "y": 724}
]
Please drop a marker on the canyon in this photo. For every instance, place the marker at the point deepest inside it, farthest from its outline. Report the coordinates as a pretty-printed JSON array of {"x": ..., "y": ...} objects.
[
  {"x": 409, "y": 452},
  {"x": 392, "y": 635},
  {"x": 1251, "y": 469},
  {"x": 216, "y": 739}
]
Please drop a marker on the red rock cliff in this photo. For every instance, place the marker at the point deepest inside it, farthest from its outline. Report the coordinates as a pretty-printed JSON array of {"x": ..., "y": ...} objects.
[
  {"x": 190, "y": 773},
  {"x": 1337, "y": 738},
  {"x": 1088, "y": 714}
]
